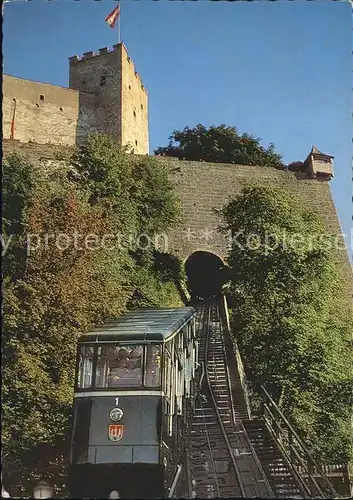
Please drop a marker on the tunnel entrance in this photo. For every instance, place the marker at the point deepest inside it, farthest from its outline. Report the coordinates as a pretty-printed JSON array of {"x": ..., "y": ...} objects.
[{"x": 206, "y": 274}]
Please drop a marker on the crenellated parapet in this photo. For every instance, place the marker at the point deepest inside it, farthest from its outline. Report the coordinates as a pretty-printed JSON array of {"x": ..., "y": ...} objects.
[
  {"x": 91, "y": 54},
  {"x": 104, "y": 51}
]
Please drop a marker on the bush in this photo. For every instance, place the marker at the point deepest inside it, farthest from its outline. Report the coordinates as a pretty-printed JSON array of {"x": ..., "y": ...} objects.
[{"x": 288, "y": 315}]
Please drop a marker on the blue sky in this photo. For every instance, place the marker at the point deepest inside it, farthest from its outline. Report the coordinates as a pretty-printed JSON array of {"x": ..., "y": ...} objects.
[{"x": 278, "y": 70}]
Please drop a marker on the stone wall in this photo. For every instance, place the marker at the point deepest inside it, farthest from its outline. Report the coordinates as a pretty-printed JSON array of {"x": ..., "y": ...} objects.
[
  {"x": 35, "y": 151},
  {"x": 121, "y": 99},
  {"x": 100, "y": 74},
  {"x": 105, "y": 95},
  {"x": 45, "y": 113},
  {"x": 203, "y": 187}
]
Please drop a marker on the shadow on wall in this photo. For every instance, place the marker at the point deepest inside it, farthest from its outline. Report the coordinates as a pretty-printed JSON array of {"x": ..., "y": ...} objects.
[
  {"x": 88, "y": 110},
  {"x": 206, "y": 274}
]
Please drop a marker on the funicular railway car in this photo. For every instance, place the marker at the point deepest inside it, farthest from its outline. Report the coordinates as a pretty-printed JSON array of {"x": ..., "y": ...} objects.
[{"x": 134, "y": 387}]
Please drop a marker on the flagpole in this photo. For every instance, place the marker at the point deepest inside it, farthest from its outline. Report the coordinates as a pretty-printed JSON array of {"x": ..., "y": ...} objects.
[{"x": 119, "y": 34}]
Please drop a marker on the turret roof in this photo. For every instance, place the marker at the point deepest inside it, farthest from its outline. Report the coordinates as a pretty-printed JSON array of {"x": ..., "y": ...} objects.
[{"x": 315, "y": 150}]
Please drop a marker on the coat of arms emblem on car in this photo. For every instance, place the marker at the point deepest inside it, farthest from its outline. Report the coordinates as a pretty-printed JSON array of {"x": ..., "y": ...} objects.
[{"x": 115, "y": 432}]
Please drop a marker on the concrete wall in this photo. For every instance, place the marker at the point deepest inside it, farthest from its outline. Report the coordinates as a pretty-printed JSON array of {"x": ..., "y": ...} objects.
[{"x": 50, "y": 119}]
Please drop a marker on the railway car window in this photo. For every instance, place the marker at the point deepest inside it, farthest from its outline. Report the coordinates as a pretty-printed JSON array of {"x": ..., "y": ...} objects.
[
  {"x": 153, "y": 366},
  {"x": 105, "y": 355},
  {"x": 85, "y": 367},
  {"x": 119, "y": 366}
]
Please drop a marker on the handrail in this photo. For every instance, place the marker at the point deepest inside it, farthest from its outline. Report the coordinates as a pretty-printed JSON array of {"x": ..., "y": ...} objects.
[
  {"x": 332, "y": 469},
  {"x": 295, "y": 446},
  {"x": 303, "y": 487}
]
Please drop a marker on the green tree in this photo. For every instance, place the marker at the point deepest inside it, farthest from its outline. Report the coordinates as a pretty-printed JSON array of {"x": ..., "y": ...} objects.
[
  {"x": 60, "y": 292},
  {"x": 19, "y": 180},
  {"x": 288, "y": 314},
  {"x": 219, "y": 144},
  {"x": 139, "y": 200},
  {"x": 135, "y": 190}
]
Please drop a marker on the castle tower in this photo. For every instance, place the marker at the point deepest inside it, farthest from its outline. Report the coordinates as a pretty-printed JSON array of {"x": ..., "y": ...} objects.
[
  {"x": 121, "y": 98},
  {"x": 319, "y": 165}
]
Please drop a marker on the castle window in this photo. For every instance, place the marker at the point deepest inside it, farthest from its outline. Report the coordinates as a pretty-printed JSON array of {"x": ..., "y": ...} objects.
[
  {"x": 136, "y": 142},
  {"x": 41, "y": 97},
  {"x": 14, "y": 100},
  {"x": 129, "y": 87},
  {"x": 141, "y": 106},
  {"x": 102, "y": 81},
  {"x": 61, "y": 109},
  {"x": 135, "y": 114},
  {"x": 37, "y": 105}
]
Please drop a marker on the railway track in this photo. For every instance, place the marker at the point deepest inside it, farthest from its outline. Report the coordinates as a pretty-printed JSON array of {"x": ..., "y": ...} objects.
[{"x": 221, "y": 458}]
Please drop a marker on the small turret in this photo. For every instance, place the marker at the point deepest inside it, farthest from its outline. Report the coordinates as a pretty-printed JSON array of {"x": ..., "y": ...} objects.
[{"x": 319, "y": 165}]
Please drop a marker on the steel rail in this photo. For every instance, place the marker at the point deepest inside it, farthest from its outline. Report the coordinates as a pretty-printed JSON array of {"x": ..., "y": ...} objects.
[
  {"x": 223, "y": 314},
  {"x": 215, "y": 405},
  {"x": 206, "y": 316},
  {"x": 223, "y": 462},
  {"x": 207, "y": 444}
]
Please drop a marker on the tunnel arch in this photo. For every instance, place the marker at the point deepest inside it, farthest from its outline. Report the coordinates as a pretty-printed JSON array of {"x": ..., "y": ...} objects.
[{"x": 206, "y": 273}]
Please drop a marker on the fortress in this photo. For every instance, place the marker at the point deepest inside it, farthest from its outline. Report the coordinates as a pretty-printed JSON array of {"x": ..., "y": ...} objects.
[{"x": 105, "y": 95}]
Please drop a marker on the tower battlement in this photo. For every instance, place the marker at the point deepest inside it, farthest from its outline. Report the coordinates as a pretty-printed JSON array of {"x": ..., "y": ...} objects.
[{"x": 90, "y": 55}]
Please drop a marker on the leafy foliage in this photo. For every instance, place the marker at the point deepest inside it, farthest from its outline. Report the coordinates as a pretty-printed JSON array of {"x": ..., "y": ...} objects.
[
  {"x": 59, "y": 279},
  {"x": 136, "y": 189},
  {"x": 288, "y": 315},
  {"x": 19, "y": 179},
  {"x": 219, "y": 144}
]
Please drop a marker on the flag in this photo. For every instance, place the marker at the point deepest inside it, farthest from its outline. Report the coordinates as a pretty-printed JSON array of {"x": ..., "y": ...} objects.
[{"x": 113, "y": 16}]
